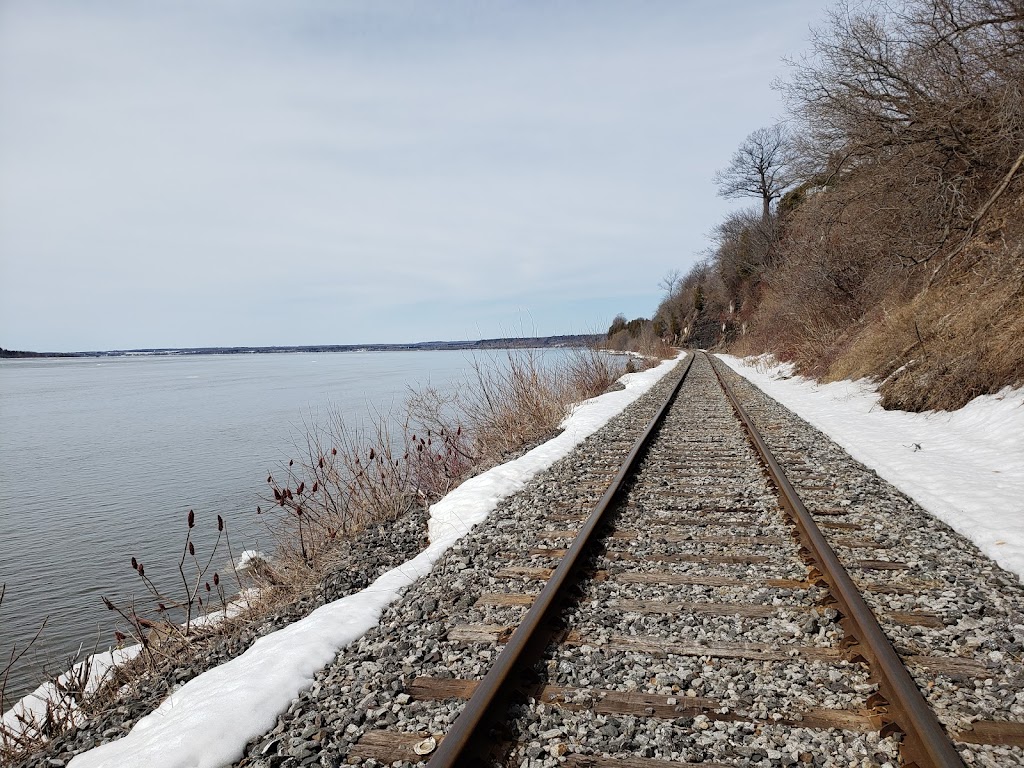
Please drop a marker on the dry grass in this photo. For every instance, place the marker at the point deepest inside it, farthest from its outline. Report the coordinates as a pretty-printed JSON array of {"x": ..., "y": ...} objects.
[
  {"x": 962, "y": 338},
  {"x": 930, "y": 348},
  {"x": 345, "y": 477},
  {"x": 524, "y": 400},
  {"x": 944, "y": 348}
]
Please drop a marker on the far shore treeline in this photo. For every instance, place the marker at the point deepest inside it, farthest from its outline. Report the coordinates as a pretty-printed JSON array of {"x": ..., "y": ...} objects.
[{"x": 520, "y": 342}]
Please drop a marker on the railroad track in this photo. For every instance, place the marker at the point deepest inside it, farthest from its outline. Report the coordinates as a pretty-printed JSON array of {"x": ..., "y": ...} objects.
[{"x": 685, "y": 608}]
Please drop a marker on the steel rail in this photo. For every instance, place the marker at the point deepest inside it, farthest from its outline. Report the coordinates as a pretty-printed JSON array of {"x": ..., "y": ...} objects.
[
  {"x": 925, "y": 742},
  {"x": 458, "y": 744}
]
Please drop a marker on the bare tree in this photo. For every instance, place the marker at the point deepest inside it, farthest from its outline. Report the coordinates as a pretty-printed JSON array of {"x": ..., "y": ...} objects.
[
  {"x": 670, "y": 282},
  {"x": 759, "y": 168},
  {"x": 745, "y": 243},
  {"x": 922, "y": 102}
]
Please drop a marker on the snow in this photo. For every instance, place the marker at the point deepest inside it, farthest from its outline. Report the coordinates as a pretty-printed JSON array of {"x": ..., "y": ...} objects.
[
  {"x": 28, "y": 716},
  {"x": 965, "y": 467},
  {"x": 249, "y": 558},
  {"x": 208, "y": 721}
]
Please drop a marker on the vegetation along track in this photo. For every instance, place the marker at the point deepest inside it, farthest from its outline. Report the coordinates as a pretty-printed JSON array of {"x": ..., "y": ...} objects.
[{"x": 701, "y": 625}]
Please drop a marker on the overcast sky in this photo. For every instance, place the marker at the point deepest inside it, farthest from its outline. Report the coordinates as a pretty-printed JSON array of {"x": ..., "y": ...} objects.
[{"x": 316, "y": 171}]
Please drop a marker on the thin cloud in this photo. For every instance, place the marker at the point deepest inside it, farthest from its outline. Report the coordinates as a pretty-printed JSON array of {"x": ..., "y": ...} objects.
[{"x": 267, "y": 173}]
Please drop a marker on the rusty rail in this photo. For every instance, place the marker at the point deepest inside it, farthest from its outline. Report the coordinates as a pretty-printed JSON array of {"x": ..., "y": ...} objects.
[
  {"x": 903, "y": 708},
  {"x": 460, "y": 743}
]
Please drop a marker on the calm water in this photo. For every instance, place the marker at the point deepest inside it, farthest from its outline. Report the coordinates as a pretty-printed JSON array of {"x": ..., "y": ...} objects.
[{"x": 100, "y": 460}]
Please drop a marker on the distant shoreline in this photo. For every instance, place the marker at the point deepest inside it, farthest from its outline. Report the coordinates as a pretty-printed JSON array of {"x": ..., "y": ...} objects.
[{"x": 578, "y": 340}]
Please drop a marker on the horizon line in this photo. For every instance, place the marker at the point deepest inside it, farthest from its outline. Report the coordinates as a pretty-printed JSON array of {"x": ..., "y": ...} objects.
[{"x": 285, "y": 348}]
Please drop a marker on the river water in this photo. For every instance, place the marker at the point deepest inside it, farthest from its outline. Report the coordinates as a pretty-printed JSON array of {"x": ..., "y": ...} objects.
[{"x": 101, "y": 459}]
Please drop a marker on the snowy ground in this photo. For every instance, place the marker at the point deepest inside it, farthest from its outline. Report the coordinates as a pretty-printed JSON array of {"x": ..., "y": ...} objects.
[
  {"x": 28, "y": 715},
  {"x": 966, "y": 467},
  {"x": 209, "y": 720}
]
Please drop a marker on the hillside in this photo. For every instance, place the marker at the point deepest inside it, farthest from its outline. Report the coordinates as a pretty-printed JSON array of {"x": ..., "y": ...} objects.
[{"x": 887, "y": 240}]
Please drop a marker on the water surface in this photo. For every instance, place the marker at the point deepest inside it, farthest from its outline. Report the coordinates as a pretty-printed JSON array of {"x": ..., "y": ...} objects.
[{"x": 101, "y": 459}]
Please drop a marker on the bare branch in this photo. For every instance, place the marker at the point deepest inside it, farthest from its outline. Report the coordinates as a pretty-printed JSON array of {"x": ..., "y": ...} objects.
[{"x": 759, "y": 168}]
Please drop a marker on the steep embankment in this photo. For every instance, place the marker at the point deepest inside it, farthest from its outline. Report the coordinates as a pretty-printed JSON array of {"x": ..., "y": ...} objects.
[
  {"x": 889, "y": 237},
  {"x": 932, "y": 335},
  {"x": 960, "y": 338}
]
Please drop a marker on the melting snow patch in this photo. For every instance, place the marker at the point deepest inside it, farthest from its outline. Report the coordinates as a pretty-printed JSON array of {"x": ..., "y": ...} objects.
[{"x": 966, "y": 467}]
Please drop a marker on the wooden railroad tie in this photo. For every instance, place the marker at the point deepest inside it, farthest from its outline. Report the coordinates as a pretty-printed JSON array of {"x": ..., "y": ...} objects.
[
  {"x": 597, "y": 761},
  {"x": 654, "y": 557},
  {"x": 955, "y": 667},
  {"x": 676, "y": 536},
  {"x": 908, "y": 618},
  {"x": 661, "y": 577},
  {"x": 604, "y": 701},
  {"x": 389, "y": 746}
]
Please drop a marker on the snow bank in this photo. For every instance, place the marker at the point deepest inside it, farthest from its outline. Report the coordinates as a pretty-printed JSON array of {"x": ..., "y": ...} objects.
[
  {"x": 28, "y": 716},
  {"x": 208, "y": 721},
  {"x": 966, "y": 467}
]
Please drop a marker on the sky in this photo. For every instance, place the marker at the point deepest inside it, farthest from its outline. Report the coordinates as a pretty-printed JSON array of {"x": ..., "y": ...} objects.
[{"x": 220, "y": 172}]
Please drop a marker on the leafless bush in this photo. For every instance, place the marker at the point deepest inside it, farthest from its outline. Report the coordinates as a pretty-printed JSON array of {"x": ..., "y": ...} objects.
[
  {"x": 591, "y": 373},
  {"x": 18, "y": 739},
  {"x": 29, "y": 723},
  {"x": 521, "y": 398},
  {"x": 13, "y": 656},
  {"x": 347, "y": 478},
  {"x": 200, "y": 598},
  {"x": 514, "y": 404},
  {"x": 924, "y": 99}
]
